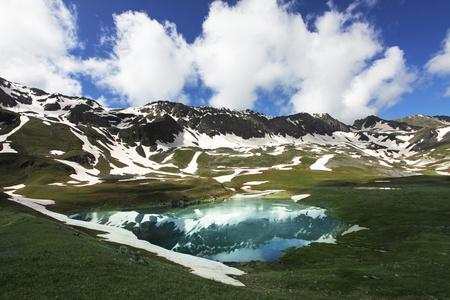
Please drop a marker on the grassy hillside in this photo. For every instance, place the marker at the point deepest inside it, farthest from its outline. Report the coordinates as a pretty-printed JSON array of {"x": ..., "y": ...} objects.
[
  {"x": 31, "y": 170},
  {"x": 37, "y": 138}
]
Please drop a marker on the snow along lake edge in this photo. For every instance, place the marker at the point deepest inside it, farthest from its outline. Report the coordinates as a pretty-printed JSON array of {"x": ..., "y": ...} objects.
[{"x": 205, "y": 268}]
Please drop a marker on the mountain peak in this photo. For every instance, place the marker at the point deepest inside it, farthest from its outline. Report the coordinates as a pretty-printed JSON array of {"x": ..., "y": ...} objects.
[
  {"x": 91, "y": 139},
  {"x": 165, "y": 122},
  {"x": 424, "y": 121}
]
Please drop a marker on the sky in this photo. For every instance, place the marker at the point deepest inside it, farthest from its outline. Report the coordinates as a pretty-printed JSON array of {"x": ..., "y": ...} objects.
[{"x": 347, "y": 58}]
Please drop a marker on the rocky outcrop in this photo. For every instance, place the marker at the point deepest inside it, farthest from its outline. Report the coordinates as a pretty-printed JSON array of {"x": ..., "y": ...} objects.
[{"x": 163, "y": 121}]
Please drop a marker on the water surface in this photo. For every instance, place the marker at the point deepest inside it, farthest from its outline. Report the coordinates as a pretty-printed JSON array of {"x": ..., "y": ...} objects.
[{"x": 238, "y": 229}]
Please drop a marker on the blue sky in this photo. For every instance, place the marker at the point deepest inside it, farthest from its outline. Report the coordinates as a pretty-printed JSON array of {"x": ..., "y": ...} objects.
[{"x": 348, "y": 58}]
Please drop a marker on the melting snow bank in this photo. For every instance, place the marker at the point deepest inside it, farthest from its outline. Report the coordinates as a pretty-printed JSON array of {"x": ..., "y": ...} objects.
[
  {"x": 375, "y": 188},
  {"x": 354, "y": 228},
  {"x": 4, "y": 137},
  {"x": 321, "y": 162},
  {"x": 192, "y": 167},
  {"x": 300, "y": 197},
  {"x": 257, "y": 194},
  {"x": 202, "y": 267},
  {"x": 442, "y": 132}
]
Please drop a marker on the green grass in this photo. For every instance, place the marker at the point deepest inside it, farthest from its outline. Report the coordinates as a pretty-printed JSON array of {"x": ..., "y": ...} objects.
[
  {"x": 114, "y": 195},
  {"x": 404, "y": 254},
  {"x": 182, "y": 157},
  {"x": 94, "y": 137},
  {"x": 262, "y": 160},
  {"x": 301, "y": 178},
  {"x": 31, "y": 170},
  {"x": 44, "y": 259},
  {"x": 36, "y": 138}
]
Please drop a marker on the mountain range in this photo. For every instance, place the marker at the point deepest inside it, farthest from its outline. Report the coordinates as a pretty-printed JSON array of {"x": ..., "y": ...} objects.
[{"x": 95, "y": 142}]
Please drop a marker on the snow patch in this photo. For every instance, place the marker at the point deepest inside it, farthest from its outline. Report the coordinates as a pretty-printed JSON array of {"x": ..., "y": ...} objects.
[
  {"x": 442, "y": 132},
  {"x": 319, "y": 165},
  {"x": 227, "y": 178},
  {"x": 354, "y": 228},
  {"x": 57, "y": 152},
  {"x": 297, "y": 198},
  {"x": 375, "y": 188},
  {"x": 192, "y": 167},
  {"x": 15, "y": 187},
  {"x": 258, "y": 194},
  {"x": 278, "y": 150},
  {"x": 82, "y": 174},
  {"x": 169, "y": 157},
  {"x": 256, "y": 182}
]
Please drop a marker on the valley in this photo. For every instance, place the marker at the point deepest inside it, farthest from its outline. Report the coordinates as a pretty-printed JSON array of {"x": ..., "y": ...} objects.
[{"x": 391, "y": 177}]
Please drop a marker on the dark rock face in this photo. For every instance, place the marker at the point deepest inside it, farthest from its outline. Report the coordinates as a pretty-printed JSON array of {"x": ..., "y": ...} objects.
[
  {"x": 52, "y": 107},
  {"x": 8, "y": 116},
  {"x": 424, "y": 139},
  {"x": 163, "y": 121},
  {"x": 83, "y": 114},
  {"x": 443, "y": 118},
  {"x": 16, "y": 96},
  {"x": 248, "y": 124},
  {"x": 165, "y": 129},
  {"x": 7, "y": 100},
  {"x": 371, "y": 121},
  {"x": 84, "y": 158}
]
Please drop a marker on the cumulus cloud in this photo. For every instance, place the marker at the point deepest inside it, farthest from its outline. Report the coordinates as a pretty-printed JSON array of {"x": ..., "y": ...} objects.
[
  {"x": 149, "y": 61},
  {"x": 243, "y": 48},
  {"x": 333, "y": 62},
  {"x": 440, "y": 63},
  {"x": 35, "y": 43},
  {"x": 338, "y": 67},
  {"x": 379, "y": 86}
]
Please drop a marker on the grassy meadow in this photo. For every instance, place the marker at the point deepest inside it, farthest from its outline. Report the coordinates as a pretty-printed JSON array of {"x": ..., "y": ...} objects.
[{"x": 404, "y": 253}]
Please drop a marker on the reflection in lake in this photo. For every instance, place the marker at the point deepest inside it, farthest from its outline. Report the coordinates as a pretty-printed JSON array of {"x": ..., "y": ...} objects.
[{"x": 238, "y": 229}]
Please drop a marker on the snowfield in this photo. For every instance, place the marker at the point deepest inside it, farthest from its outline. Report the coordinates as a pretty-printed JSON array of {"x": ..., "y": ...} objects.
[{"x": 319, "y": 165}]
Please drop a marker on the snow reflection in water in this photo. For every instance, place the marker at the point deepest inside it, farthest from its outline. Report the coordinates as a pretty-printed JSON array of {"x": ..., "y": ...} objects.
[{"x": 237, "y": 229}]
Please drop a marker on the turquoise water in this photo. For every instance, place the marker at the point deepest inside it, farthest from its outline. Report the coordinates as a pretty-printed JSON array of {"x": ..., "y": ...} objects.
[{"x": 238, "y": 229}]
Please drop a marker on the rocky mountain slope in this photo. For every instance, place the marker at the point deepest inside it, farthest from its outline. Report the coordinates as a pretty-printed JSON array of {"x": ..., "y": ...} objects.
[{"x": 95, "y": 142}]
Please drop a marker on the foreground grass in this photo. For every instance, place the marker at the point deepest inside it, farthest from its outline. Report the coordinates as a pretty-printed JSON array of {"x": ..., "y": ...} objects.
[
  {"x": 405, "y": 253},
  {"x": 44, "y": 259}
]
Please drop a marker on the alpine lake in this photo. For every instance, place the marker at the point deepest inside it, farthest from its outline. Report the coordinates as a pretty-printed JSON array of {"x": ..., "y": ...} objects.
[{"x": 238, "y": 229}]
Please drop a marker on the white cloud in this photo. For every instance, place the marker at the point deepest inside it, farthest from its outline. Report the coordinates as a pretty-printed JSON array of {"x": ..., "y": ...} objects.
[
  {"x": 243, "y": 48},
  {"x": 150, "y": 61},
  {"x": 335, "y": 63},
  {"x": 379, "y": 86},
  {"x": 260, "y": 45},
  {"x": 440, "y": 63},
  {"x": 35, "y": 41}
]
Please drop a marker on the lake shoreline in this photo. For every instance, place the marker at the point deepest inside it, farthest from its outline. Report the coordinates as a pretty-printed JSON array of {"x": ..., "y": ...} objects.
[{"x": 202, "y": 267}]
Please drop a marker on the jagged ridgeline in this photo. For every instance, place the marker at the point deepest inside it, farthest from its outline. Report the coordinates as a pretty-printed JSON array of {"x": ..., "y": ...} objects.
[{"x": 39, "y": 130}]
